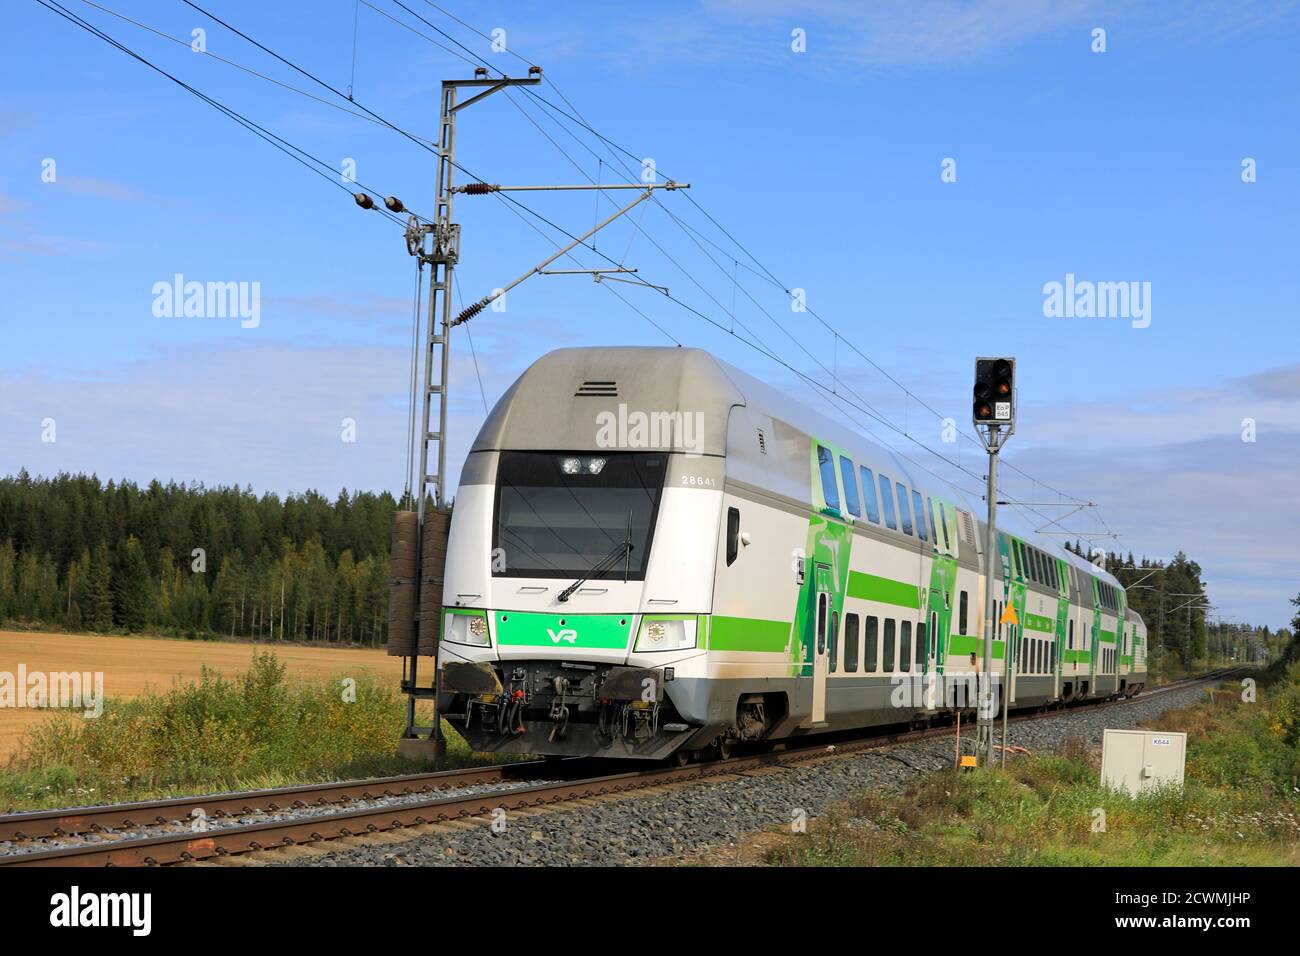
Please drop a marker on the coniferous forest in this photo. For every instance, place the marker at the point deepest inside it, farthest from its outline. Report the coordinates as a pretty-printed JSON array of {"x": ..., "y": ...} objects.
[{"x": 85, "y": 555}]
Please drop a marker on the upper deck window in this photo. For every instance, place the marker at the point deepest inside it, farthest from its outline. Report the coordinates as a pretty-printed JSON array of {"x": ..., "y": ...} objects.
[
  {"x": 830, "y": 491},
  {"x": 850, "y": 486},
  {"x": 904, "y": 513},
  {"x": 920, "y": 515},
  {"x": 869, "y": 494},
  {"x": 887, "y": 499}
]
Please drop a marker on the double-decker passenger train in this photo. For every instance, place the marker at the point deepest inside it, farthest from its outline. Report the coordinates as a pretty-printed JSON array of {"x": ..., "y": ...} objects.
[{"x": 653, "y": 553}]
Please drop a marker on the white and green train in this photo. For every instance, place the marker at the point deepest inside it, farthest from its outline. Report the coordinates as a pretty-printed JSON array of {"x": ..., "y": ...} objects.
[{"x": 653, "y": 553}]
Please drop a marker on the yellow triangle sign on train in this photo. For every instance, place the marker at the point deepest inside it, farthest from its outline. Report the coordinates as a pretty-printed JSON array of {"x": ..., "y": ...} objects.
[{"x": 1009, "y": 615}]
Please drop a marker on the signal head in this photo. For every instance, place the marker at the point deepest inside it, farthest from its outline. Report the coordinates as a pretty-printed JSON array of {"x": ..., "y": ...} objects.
[{"x": 994, "y": 392}]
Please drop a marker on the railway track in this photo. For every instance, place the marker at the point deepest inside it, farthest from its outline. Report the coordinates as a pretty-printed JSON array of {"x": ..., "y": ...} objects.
[{"x": 189, "y": 845}]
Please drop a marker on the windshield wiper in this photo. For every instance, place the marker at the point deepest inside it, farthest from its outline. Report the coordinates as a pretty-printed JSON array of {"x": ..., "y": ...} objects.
[{"x": 624, "y": 550}]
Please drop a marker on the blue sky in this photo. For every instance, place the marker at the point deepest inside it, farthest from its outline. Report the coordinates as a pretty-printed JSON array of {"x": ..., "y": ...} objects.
[{"x": 1124, "y": 165}]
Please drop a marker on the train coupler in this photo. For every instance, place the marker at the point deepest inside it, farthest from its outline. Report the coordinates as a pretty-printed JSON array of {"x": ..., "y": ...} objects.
[{"x": 559, "y": 712}]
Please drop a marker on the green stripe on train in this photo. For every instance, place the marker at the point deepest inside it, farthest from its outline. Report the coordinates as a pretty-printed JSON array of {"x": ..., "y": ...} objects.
[
  {"x": 870, "y": 587},
  {"x": 969, "y": 644},
  {"x": 1037, "y": 622},
  {"x": 748, "y": 634}
]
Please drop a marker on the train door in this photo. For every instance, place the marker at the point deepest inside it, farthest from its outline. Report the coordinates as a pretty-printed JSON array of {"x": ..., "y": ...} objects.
[{"x": 821, "y": 624}]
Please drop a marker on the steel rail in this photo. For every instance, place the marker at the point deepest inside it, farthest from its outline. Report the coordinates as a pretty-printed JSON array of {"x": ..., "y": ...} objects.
[{"x": 36, "y": 824}]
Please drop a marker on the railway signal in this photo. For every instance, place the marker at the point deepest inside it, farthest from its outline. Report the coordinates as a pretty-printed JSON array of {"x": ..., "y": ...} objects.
[
  {"x": 994, "y": 392},
  {"x": 993, "y": 410}
]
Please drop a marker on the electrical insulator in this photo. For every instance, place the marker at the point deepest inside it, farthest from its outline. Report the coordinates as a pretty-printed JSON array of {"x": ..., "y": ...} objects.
[
  {"x": 469, "y": 313},
  {"x": 364, "y": 201},
  {"x": 394, "y": 204}
]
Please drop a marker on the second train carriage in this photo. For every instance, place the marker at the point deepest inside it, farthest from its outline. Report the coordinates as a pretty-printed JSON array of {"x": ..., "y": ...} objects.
[{"x": 653, "y": 552}]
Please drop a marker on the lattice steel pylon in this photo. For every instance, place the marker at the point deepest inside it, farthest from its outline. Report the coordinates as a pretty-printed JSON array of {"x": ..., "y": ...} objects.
[{"x": 437, "y": 244}]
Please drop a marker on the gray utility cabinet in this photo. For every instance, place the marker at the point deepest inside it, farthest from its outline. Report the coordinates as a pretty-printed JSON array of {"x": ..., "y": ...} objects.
[{"x": 1139, "y": 760}]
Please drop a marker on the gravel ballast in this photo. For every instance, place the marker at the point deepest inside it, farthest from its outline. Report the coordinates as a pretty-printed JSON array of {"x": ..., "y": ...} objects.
[{"x": 642, "y": 829}]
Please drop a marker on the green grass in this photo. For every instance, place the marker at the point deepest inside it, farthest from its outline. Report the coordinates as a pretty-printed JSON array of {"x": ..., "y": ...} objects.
[
  {"x": 1240, "y": 805},
  {"x": 259, "y": 730}
]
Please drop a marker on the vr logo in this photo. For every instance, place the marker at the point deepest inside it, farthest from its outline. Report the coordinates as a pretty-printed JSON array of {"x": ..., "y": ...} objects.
[{"x": 567, "y": 634}]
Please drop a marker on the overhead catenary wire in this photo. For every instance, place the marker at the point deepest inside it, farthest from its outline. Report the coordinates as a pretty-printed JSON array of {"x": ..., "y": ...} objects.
[
  {"x": 524, "y": 208},
  {"x": 609, "y": 145},
  {"x": 306, "y": 159},
  {"x": 762, "y": 271},
  {"x": 576, "y": 117}
]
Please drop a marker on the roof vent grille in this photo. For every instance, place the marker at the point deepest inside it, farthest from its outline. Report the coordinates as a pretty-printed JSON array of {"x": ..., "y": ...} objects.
[
  {"x": 762, "y": 442},
  {"x": 967, "y": 527},
  {"x": 600, "y": 389}
]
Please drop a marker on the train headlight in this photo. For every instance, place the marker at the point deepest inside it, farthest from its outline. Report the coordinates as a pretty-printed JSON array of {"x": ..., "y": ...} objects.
[
  {"x": 594, "y": 465},
  {"x": 468, "y": 629},
  {"x": 571, "y": 466},
  {"x": 665, "y": 634}
]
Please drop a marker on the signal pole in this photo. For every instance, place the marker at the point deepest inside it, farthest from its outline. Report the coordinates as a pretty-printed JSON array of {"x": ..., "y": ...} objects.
[{"x": 995, "y": 422}]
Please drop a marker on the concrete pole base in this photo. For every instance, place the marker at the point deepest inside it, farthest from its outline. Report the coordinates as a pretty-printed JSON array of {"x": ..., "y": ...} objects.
[{"x": 422, "y": 749}]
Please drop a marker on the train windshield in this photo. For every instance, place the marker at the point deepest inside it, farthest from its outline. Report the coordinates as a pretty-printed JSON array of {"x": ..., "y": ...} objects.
[{"x": 559, "y": 514}]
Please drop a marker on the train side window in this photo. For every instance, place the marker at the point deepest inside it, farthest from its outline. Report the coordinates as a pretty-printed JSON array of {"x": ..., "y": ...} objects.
[
  {"x": 830, "y": 490},
  {"x": 835, "y": 640},
  {"x": 733, "y": 535},
  {"x": 869, "y": 494},
  {"x": 850, "y": 486},
  {"x": 920, "y": 645},
  {"x": 904, "y": 513},
  {"x": 889, "y": 645},
  {"x": 943, "y": 521},
  {"x": 905, "y": 646},
  {"x": 1021, "y": 561},
  {"x": 962, "y": 614},
  {"x": 887, "y": 499},
  {"x": 872, "y": 640},
  {"x": 920, "y": 515},
  {"x": 1071, "y": 633},
  {"x": 850, "y": 643}
]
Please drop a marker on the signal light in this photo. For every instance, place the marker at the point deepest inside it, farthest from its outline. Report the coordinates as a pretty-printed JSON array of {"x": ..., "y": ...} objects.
[{"x": 994, "y": 392}]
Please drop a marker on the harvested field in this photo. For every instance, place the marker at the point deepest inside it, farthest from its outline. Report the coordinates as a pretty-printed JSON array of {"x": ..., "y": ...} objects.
[{"x": 130, "y": 664}]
